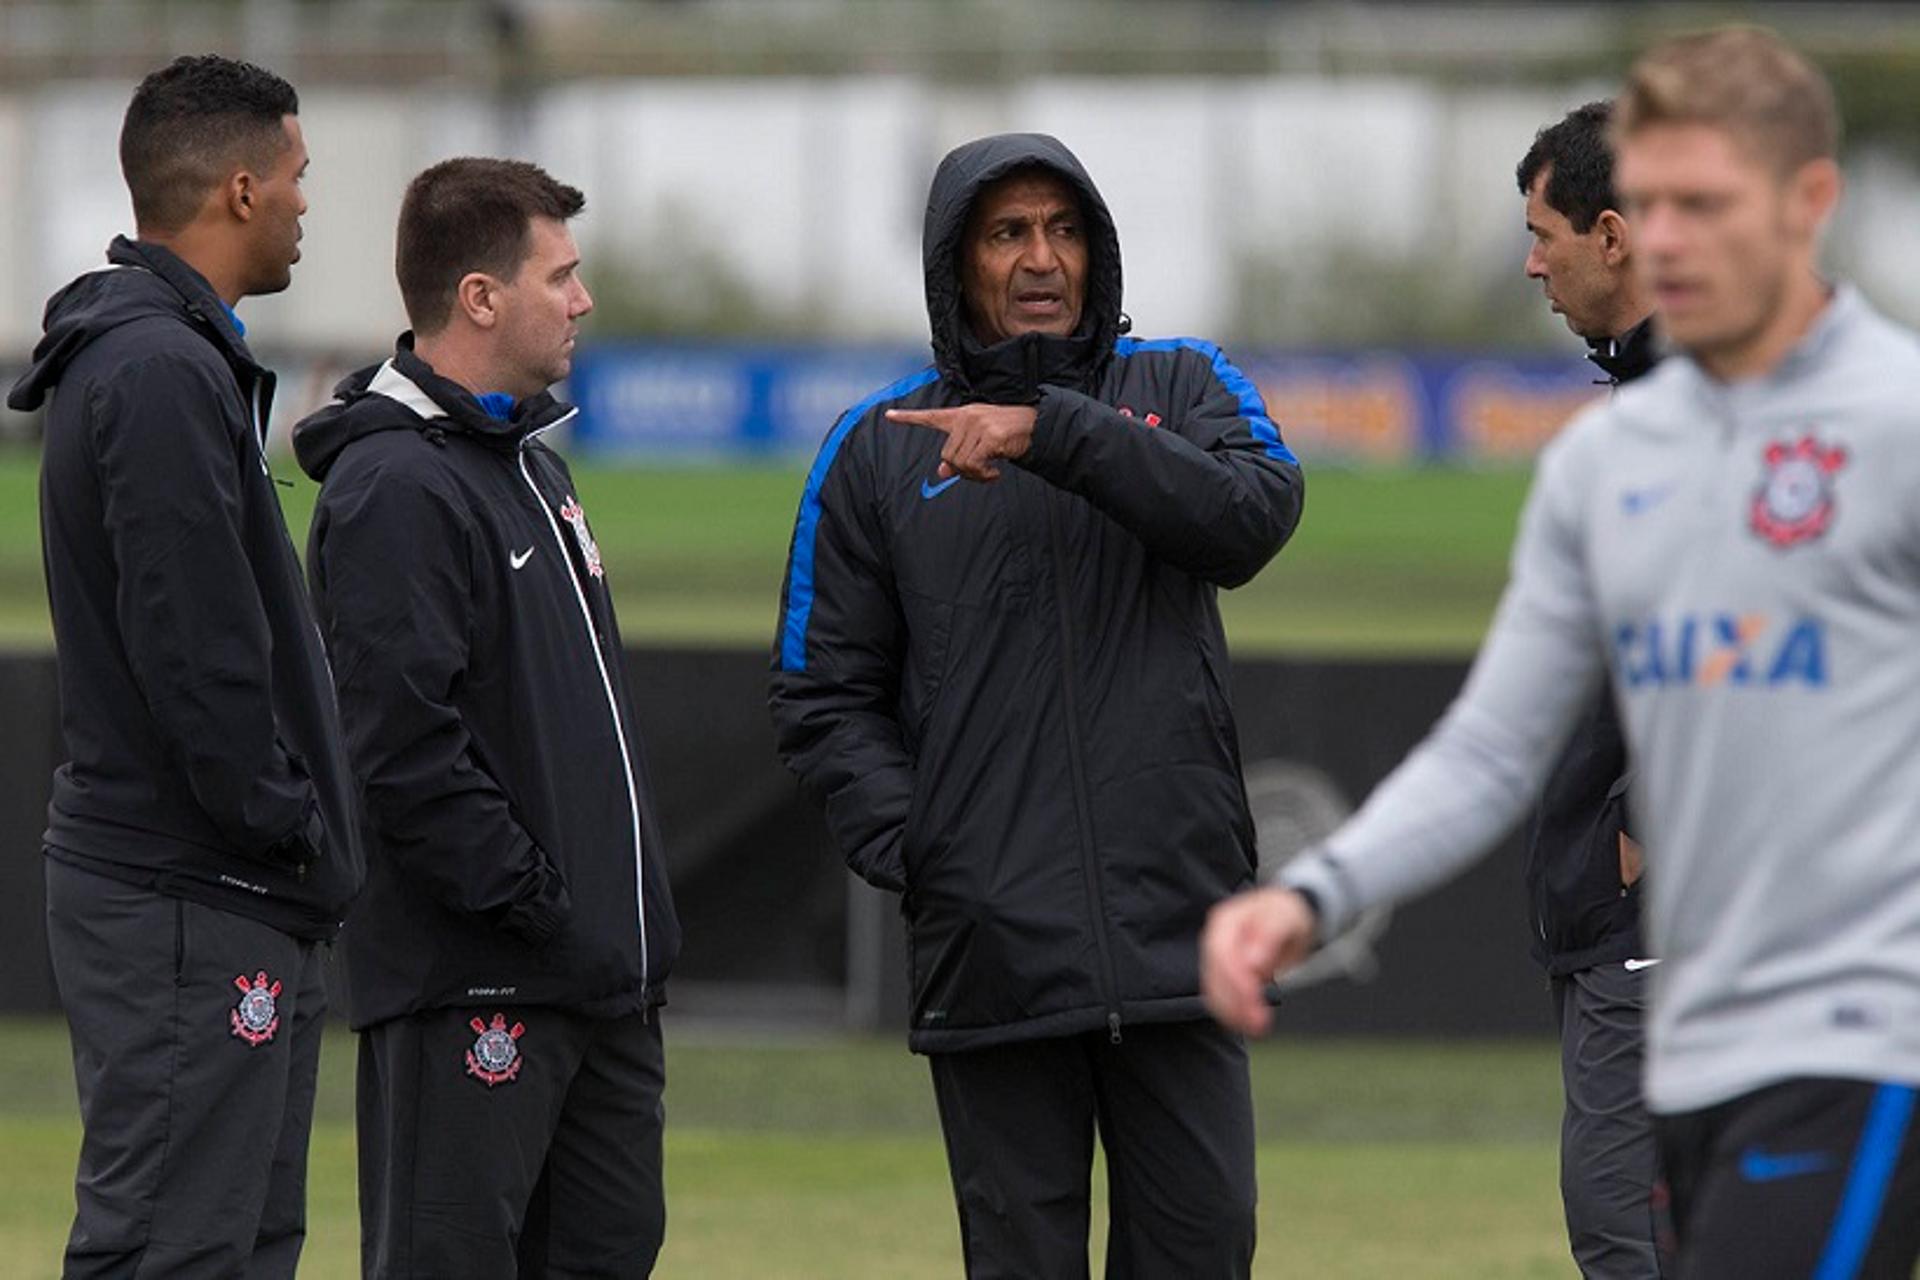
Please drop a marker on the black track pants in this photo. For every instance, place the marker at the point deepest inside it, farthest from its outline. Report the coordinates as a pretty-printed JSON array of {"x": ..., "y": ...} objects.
[
  {"x": 196, "y": 1039},
  {"x": 1174, "y": 1112},
  {"x": 1806, "y": 1180},
  {"x": 1607, "y": 1164},
  {"x": 511, "y": 1141}
]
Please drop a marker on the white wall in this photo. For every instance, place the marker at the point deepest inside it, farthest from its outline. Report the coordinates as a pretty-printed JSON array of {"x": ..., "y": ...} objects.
[{"x": 811, "y": 191}]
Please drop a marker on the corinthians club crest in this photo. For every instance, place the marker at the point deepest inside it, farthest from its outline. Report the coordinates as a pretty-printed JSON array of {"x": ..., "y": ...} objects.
[
  {"x": 1794, "y": 502},
  {"x": 495, "y": 1057},
  {"x": 574, "y": 515},
  {"x": 257, "y": 1015}
]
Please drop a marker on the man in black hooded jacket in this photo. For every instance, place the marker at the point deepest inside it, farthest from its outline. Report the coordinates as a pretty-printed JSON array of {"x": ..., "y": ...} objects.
[
  {"x": 200, "y": 842},
  {"x": 507, "y": 958},
  {"x": 1001, "y": 666}
]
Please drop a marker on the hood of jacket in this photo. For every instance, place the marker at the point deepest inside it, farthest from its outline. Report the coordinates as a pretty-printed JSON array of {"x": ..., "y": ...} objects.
[
  {"x": 1013, "y": 370},
  {"x": 140, "y": 281},
  {"x": 404, "y": 393}
]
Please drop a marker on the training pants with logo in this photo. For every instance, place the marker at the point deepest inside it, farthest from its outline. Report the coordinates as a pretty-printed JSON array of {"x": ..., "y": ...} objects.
[
  {"x": 1807, "y": 1180},
  {"x": 524, "y": 1148},
  {"x": 1174, "y": 1111},
  {"x": 1607, "y": 1162},
  {"x": 196, "y": 1039}
]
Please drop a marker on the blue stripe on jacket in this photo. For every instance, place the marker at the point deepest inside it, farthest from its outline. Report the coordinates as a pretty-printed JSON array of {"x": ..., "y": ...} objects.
[
  {"x": 1252, "y": 408},
  {"x": 793, "y": 627}
]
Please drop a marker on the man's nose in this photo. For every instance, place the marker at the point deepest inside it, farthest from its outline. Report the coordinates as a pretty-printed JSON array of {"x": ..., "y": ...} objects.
[
  {"x": 1037, "y": 254},
  {"x": 1536, "y": 263}
]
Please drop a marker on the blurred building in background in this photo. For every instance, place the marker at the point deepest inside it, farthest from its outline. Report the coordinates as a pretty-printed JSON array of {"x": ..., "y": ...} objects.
[{"x": 1326, "y": 179}]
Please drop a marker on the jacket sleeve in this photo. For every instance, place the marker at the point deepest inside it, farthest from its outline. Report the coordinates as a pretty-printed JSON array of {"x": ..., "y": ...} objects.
[
  {"x": 190, "y": 615},
  {"x": 1473, "y": 777},
  {"x": 1216, "y": 494},
  {"x": 391, "y": 562},
  {"x": 836, "y": 669}
]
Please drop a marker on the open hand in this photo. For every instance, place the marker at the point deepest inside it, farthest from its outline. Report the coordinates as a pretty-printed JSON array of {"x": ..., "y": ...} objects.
[
  {"x": 978, "y": 435},
  {"x": 1251, "y": 939}
]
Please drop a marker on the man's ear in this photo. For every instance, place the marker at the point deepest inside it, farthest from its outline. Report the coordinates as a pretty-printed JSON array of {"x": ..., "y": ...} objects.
[
  {"x": 239, "y": 193},
  {"x": 475, "y": 298},
  {"x": 1615, "y": 239},
  {"x": 1812, "y": 194}
]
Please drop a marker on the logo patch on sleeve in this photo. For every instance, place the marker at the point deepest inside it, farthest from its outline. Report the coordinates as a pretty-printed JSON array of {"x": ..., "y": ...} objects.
[
  {"x": 495, "y": 1056},
  {"x": 257, "y": 1014}
]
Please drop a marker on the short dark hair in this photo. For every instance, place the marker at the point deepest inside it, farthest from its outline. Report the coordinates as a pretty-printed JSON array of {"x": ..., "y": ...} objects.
[
  {"x": 1579, "y": 163},
  {"x": 190, "y": 124},
  {"x": 465, "y": 215}
]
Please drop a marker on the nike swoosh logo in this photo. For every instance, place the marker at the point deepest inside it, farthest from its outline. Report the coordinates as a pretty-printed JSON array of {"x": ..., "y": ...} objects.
[
  {"x": 1635, "y": 966},
  {"x": 1758, "y": 1166},
  {"x": 519, "y": 558},
  {"x": 931, "y": 490},
  {"x": 1636, "y": 501}
]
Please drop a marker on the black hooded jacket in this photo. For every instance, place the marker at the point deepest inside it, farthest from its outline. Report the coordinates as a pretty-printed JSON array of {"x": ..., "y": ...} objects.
[
  {"x": 1582, "y": 911},
  {"x": 512, "y": 851},
  {"x": 206, "y": 758},
  {"x": 1012, "y": 696}
]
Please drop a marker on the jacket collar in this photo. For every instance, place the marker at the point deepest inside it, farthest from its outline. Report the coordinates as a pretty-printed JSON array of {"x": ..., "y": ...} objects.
[
  {"x": 1628, "y": 356},
  {"x": 202, "y": 304},
  {"x": 412, "y": 382}
]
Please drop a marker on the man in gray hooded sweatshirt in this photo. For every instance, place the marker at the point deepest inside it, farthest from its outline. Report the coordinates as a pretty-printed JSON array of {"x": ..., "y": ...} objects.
[{"x": 1734, "y": 541}]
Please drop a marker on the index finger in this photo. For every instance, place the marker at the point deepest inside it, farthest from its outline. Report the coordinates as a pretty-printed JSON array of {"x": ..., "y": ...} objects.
[{"x": 938, "y": 419}]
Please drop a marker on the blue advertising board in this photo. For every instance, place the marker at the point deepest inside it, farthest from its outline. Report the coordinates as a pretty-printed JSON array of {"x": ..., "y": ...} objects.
[{"x": 666, "y": 400}]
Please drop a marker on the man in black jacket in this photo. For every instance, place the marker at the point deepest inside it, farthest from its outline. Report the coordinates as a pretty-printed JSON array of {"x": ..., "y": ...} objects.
[
  {"x": 200, "y": 842},
  {"x": 508, "y": 956},
  {"x": 1583, "y": 869},
  {"x": 1001, "y": 666}
]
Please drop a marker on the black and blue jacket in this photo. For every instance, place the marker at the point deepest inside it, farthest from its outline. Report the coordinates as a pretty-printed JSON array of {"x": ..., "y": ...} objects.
[
  {"x": 205, "y": 755},
  {"x": 1012, "y": 696},
  {"x": 513, "y": 854}
]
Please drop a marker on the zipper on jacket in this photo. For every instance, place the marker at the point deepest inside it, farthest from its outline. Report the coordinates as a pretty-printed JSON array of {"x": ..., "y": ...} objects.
[
  {"x": 606, "y": 684},
  {"x": 1083, "y": 810}
]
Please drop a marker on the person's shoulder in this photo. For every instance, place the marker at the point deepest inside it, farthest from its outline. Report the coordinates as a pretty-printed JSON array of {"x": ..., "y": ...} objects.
[
  {"x": 153, "y": 347},
  {"x": 1578, "y": 451},
  {"x": 1179, "y": 349},
  {"x": 864, "y": 417},
  {"x": 1887, "y": 348},
  {"x": 399, "y": 464}
]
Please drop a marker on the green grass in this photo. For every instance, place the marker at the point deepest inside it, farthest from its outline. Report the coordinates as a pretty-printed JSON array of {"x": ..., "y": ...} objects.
[
  {"x": 1385, "y": 562},
  {"x": 823, "y": 1159}
]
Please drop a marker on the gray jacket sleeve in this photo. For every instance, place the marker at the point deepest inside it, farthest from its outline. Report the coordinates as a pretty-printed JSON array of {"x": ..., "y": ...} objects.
[{"x": 1475, "y": 775}]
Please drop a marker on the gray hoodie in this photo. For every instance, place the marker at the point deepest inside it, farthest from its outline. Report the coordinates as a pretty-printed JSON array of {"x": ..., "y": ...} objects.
[{"x": 1743, "y": 560}]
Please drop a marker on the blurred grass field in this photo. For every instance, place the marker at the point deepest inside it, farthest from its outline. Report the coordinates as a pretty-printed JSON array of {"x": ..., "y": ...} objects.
[
  {"x": 810, "y": 1160},
  {"x": 1385, "y": 562},
  {"x": 823, "y": 1159}
]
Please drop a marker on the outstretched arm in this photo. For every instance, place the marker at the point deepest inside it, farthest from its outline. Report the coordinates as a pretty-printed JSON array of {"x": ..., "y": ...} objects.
[{"x": 1459, "y": 791}]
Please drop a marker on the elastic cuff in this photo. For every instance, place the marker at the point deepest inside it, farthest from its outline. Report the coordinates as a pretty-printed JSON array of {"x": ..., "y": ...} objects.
[
  {"x": 1317, "y": 877},
  {"x": 1045, "y": 443}
]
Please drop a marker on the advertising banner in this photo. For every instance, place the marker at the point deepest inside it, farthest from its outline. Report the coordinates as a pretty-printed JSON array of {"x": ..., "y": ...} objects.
[{"x": 661, "y": 401}]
